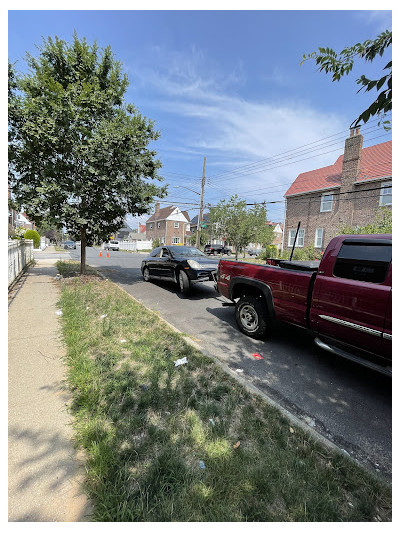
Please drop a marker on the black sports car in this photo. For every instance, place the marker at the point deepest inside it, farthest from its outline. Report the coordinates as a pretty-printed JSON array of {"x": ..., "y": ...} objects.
[{"x": 184, "y": 265}]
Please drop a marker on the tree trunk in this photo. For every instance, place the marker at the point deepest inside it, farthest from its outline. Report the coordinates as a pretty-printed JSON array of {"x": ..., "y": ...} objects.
[{"x": 83, "y": 249}]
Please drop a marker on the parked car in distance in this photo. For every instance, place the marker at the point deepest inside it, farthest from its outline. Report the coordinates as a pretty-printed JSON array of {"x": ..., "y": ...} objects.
[
  {"x": 70, "y": 245},
  {"x": 253, "y": 252},
  {"x": 184, "y": 265},
  {"x": 112, "y": 245},
  {"x": 214, "y": 249}
]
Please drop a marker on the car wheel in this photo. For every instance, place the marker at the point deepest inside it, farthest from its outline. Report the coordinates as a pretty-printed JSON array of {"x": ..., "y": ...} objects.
[
  {"x": 229, "y": 252},
  {"x": 146, "y": 274},
  {"x": 251, "y": 317},
  {"x": 184, "y": 282}
]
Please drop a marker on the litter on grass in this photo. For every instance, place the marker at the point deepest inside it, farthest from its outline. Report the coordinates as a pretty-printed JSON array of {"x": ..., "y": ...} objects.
[
  {"x": 239, "y": 370},
  {"x": 257, "y": 356},
  {"x": 202, "y": 465},
  {"x": 122, "y": 340},
  {"x": 211, "y": 421},
  {"x": 237, "y": 444},
  {"x": 182, "y": 361},
  {"x": 103, "y": 316},
  {"x": 59, "y": 312}
]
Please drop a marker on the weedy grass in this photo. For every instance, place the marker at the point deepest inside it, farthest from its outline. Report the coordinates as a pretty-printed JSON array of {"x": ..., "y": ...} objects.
[{"x": 189, "y": 443}]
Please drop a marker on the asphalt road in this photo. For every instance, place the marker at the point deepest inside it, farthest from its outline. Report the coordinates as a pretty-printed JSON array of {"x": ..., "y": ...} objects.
[{"x": 346, "y": 403}]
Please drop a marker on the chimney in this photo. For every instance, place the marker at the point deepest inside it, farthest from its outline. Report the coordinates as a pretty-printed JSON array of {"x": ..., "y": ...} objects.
[
  {"x": 350, "y": 171},
  {"x": 351, "y": 160},
  {"x": 157, "y": 209}
]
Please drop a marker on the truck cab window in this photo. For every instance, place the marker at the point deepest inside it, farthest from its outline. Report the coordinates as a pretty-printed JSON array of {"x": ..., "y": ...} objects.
[{"x": 363, "y": 261}]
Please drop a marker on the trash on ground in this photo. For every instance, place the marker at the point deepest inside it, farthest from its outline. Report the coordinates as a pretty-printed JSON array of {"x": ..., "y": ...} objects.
[
  {"x": 291, "y": 430},
  {"x": 239, "y": 370},
  {"x": 211, "y": 421},
  {"x": 59, "y": 312},
  {"x": 182, "y": 361},
  {"x": 122, "y": 340},
  {"x": 202, "y": 465},
  {"x": 257, "y": 356},
  {"x": 87, "y": 307},
  {"x": 103, "y": 316},
  {"x": 237, "y": 444}
]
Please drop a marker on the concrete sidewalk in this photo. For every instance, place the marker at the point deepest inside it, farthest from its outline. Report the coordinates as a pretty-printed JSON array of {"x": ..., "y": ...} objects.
[{"x": 44, "y": 471}]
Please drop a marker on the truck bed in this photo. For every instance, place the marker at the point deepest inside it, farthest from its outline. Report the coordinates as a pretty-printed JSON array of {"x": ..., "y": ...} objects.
[{"x": 290, "y": 287}]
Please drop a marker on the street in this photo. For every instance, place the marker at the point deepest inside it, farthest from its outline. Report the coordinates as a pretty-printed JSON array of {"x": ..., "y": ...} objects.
[{"x": 346, "y": 403}]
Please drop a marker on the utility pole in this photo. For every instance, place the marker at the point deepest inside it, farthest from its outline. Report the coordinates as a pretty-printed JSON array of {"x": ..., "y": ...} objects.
[{"x": 200, "y": 218}]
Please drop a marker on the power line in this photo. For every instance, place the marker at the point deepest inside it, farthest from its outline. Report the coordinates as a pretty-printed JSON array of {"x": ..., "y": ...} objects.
[
  {"x": 301, "y": 148},
  {"x": 285, "y": 162}
]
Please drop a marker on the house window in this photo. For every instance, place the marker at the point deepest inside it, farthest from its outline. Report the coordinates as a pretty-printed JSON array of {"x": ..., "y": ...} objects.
[
  {"x": 158, "y": 224},
  {"x": 319, "y": 233},
  {"x": 151, "y": 226},
  {"x": 176, "y": 224},
  {"x": 176, "y": 240},
  {"x": 326, "y": 203},
  {"x": 385, "y": 197},
  {"x": 300, "y": 238}
]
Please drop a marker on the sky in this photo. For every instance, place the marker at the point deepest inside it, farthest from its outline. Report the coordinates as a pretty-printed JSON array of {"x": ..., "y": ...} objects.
[{"x": 225, "y": 85}]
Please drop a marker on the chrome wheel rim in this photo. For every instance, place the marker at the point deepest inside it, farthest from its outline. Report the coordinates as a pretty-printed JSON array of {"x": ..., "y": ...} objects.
[
  {"x": 248, "y": 317},
  {"x": 181, "y": 281},
  {"x": 146, "y": 274}
]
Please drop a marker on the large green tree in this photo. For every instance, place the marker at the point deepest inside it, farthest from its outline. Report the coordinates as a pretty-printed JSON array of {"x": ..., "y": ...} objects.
[
  {"x": 342, "y": 64},
  {"x": 79, "y": 155},
  {"x": 239, "y": 223}
]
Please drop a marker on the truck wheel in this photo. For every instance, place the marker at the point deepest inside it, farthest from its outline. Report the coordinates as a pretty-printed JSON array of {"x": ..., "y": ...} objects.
[
  {"x": 146, "y": 274},
  {"x": 184, "y": 282},
  {"x": 251, "y": 317}
]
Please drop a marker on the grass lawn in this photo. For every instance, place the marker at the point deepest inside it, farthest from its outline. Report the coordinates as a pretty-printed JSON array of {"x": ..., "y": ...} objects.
[{"x": 189, "y": 443}]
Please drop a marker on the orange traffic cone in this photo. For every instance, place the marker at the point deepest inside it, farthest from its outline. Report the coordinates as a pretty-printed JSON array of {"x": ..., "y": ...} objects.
[
  {"x": 108, "y": 255},
  {"x": 100, "y": 253}
]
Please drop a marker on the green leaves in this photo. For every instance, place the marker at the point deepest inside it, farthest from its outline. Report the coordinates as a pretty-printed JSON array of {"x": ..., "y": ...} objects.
[
  {"x": 342, "y": 64},
  {"x": 75, "y": 145}
]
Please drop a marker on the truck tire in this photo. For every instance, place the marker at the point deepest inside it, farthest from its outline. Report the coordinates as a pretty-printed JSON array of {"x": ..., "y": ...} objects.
[
  {"x": 183, "y": 282},
  {"x": 251, "y": 317}
]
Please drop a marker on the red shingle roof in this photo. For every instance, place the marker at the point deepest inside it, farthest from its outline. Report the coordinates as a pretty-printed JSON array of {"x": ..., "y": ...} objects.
[
  {"x": 165, "y": 213},
  {"x": 376, "y": 162}
]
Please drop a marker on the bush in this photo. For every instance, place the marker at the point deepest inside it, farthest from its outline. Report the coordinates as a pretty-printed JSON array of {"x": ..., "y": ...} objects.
[
  {"x": 155, "y": 243},
  {"x": 309, "y": 253},
  {"x": 34, "y": 235},
  {"x": 270, "y": 251}
]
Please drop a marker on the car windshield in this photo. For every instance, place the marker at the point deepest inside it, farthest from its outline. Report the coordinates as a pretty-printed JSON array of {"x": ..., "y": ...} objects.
[{"x": 186, "y": 251}]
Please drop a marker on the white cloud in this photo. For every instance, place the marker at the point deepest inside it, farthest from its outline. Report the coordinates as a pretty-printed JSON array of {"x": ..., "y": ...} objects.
[{"x": 234, "y": 131}]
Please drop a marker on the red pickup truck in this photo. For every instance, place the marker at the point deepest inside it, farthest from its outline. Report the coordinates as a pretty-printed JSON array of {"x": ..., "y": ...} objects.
[{"x": 345, "y": 299}]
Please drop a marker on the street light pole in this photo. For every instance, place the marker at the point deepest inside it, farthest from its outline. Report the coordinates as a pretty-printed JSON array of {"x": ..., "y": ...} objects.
[{"x": 200, "y": 218}]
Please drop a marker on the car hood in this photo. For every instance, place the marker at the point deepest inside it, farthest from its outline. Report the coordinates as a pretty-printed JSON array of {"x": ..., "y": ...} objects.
[{"x": 204, "y": 261}]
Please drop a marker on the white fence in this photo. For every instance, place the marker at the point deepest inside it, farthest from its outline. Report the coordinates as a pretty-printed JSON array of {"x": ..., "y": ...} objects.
[
  {"x": 135, "y": 245},
  {"x": 20, "y": 254}
]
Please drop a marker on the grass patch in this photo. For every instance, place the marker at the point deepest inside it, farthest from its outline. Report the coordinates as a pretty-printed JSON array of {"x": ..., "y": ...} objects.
[
  {"x": 71, "y": 268},
  {"x": 153, "y": 454}
]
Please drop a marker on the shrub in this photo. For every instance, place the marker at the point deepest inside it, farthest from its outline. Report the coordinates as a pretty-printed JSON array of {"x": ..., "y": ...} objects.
[
  {"x": 34, "y": 235},
  {"x": 309, "y": 253},
  {"x": 270, "y": 251},
  {"x": 156, "y": 243}
]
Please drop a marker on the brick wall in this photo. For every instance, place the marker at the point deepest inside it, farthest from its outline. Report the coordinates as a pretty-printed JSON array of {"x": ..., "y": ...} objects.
[
  {"x": 166, "y": 231},
  {"x": 352, "y": 203}
]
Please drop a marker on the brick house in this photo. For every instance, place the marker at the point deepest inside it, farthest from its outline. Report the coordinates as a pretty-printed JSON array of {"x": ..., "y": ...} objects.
[
  {"x": 170, "y": 225},
  {"x": 345, "y": 193}
]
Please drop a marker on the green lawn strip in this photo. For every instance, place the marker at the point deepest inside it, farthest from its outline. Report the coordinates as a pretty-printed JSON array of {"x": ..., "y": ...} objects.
[{"x": 145, "y": 426}]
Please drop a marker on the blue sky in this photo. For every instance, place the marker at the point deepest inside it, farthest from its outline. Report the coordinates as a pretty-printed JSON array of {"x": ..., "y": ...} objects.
[{"x": 228, "y": 86}]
